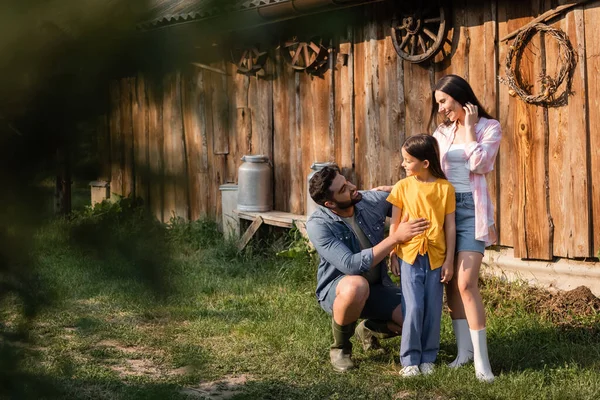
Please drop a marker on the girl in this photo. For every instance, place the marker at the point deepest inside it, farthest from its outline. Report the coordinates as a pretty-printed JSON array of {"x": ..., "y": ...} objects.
[
  {"x": 428, "y": 258},
  {"x": 469, "y": 140}
]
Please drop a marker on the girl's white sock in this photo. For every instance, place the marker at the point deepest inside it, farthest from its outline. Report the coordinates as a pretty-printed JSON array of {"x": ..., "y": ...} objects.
[{"x": 463, "y": 343}]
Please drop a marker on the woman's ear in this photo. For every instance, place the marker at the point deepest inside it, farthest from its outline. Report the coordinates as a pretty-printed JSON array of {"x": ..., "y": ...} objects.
[{"x": 426, "y": 164}]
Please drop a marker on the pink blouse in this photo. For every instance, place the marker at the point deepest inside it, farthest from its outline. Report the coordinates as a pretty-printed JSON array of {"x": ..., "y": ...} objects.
[{"x": 479, "y": 158}]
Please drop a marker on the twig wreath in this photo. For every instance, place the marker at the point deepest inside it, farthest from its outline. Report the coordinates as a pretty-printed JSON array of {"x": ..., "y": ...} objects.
[{"x": 550, "y": 85}]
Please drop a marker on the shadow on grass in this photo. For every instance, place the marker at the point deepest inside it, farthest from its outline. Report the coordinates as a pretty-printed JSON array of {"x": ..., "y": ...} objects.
[{"x": 545, "y": 347}]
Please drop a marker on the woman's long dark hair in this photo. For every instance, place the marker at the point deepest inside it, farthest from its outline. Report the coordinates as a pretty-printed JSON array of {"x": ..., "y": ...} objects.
[
  {"x": 425, "y": 147},
  {"x": 460, "y": 90}
]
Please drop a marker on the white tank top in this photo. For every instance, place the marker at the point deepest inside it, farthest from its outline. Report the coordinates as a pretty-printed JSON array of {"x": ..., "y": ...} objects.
[{"x": 458, "y": 172}]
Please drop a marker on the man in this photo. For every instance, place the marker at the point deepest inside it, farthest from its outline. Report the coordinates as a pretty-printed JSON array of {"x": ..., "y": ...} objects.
[{"x": 352, "y": 280}]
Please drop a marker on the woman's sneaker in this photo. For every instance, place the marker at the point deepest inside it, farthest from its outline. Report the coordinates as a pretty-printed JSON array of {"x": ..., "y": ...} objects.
[
  {"x": 411, "y": 370},
  {"x": 427, "y": 368}
]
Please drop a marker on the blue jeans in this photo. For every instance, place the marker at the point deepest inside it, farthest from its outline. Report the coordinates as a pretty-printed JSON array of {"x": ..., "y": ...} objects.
[{"x": 422, "y": 295}]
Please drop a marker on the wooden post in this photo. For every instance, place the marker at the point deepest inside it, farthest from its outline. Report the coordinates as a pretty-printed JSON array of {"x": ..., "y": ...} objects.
[{"x": 249, "y": 233}]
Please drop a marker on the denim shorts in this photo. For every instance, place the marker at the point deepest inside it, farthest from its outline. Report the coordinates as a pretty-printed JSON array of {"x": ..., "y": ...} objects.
[
  {"x": 465, "y": 225},
  {"x": 380, "y": 305}
]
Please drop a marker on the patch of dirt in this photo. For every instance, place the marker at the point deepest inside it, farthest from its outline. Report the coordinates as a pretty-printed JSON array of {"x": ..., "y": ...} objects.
[
  {"x": 186, "y": 370},
  {"x": 137, "y": 368},
  {"x": 563, "y": 306},
  {"x": 221, "y": 389},
  {"x": 116, "y": 345}
]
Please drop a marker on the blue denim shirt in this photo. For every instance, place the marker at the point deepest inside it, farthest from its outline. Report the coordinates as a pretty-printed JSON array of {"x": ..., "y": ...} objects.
[{"x": 338, "y": 246}]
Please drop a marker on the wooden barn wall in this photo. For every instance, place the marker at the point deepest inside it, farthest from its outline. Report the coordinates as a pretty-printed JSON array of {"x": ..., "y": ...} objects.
[{"x": 173, "y": 139}]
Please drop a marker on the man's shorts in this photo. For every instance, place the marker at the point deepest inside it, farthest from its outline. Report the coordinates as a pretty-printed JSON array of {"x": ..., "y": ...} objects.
[{"x": 380, "y": 305}]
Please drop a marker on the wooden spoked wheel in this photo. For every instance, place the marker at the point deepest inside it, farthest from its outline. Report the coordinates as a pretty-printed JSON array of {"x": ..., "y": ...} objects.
[
  {"x": 308, "y": 56},
  {"x": 249, "y": 60},
  {"x": 418, "y": 34}
]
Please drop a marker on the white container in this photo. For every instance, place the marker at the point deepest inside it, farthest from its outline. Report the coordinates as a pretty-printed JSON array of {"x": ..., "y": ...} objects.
[
  {"x": 311, "y": 206},
  {"x": 230, "y": 223},
  {"x": 255, "y": 193}
]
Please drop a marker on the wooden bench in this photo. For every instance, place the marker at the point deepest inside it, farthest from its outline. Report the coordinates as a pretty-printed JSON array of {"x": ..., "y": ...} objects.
[{"x": 275, "y": 218}]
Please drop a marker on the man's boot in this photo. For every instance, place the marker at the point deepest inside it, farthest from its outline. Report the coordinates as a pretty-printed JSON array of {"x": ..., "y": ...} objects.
[
  {"x": 369, "y": 331},
  {"x": 341, "y": 349}
]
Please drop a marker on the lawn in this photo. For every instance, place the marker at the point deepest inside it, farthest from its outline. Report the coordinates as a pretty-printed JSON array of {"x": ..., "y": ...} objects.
[{"x": 133, "y": 310}]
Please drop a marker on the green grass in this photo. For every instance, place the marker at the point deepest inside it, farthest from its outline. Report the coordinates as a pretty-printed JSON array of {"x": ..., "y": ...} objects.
[{"x": 136, "y": 311}]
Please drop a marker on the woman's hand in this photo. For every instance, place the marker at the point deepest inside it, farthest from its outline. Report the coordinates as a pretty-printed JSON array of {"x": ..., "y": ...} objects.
[
  {"x": 471, "y": 115},
  {"x": 447, "y": 271},
  {"x": 471, "y": 119}
]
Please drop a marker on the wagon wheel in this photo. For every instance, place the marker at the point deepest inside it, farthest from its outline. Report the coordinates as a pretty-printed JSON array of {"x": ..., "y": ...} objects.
[
  {"x": 308, "y": 56},
  {"x": 249, "y": 60},
  {"x": 418, "y": 34}
]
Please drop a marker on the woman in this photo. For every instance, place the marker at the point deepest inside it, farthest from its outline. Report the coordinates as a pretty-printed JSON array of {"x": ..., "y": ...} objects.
[{"x": 469, "y": 139}]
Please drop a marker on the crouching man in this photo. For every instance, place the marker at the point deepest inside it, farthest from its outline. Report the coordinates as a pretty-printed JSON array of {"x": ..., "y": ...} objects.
[{"x": 352, "y": 281}]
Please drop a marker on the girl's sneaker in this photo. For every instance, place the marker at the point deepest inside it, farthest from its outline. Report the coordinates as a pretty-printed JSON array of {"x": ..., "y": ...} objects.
[
  {"x": 411, "y": 370},
  {"x": 427, "y": 368}
]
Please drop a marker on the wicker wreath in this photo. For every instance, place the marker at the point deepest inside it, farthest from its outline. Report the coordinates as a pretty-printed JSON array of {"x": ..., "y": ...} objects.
[{"x": 550, "y": 85}]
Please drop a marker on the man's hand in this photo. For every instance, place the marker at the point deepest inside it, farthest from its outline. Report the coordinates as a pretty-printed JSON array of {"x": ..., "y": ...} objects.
[
  {"x": 408, "y": 229},
  {"x": 447, "y": 272},
  {"x": 394, "y": 264}
]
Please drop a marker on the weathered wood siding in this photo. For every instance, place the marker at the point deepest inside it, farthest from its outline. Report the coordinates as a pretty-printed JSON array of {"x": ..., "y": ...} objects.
[{"x": 176, "y": 137}]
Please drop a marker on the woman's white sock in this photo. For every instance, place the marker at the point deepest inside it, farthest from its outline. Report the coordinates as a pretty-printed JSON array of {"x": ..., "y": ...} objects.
[{"x": 483, "y": 370}]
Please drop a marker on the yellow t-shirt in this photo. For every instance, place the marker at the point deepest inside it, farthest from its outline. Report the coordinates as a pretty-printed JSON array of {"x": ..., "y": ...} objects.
[{"x": 429, "y": 200}]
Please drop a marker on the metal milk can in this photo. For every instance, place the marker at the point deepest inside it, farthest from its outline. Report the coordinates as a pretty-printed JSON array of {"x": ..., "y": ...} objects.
[
  {"x": 255, "y": 193},
  {"x": 311, "y": 206}
]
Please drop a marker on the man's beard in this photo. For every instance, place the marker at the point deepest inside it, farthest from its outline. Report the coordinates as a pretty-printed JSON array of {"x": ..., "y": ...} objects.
[{"x": 347, "y": 204}]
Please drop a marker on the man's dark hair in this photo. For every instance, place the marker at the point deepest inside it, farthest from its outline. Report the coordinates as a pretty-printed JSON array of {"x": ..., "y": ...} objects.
[{"x": 320, "y": 182}]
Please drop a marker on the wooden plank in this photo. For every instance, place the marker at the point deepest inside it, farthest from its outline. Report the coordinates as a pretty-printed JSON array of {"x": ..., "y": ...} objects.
[
  {"x": 379, "y": 80},
  {"x": 177, "y": 159},
  {"x": 278, "y": 218},
  {"x": 482, "y": 64},
  {"x": 260, "y": 102},
  {"x": 592, "y": 54},
  {"x": 103, "y": 135},
  {"x": 531, "y": 218},
  {"x": 169, "y": 115},
  {"x": 140, "y": 138},
  {"x": 391, "y": 103},
  {"x": 509, "y": 18},
  {"x": 344, "y": 105},
  {"x": 418, "y": 97},
  {"x": 116, "y": 139},
  {"x": 366, "y": 123},
  {"x": 568, "y": 141},
  {"x": 282, "y": 112},
  {"x": 287, "y": 154},
  {"x": 175, "y": 184},
  {"x": 196, "y": 145},
  {"x": 220, "y": 109},
  {"x": 316, "y": 125},
  {"x": 363, "y": 100},
  {"x": 249, "y": 233},
  {"x": 239, "y": 141},
  {"x": 155, "y": 146},
  {"x": 217, "y": 162},
  {"x": 127, "y": 88},
  {"x": 459, "y": 33}
]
